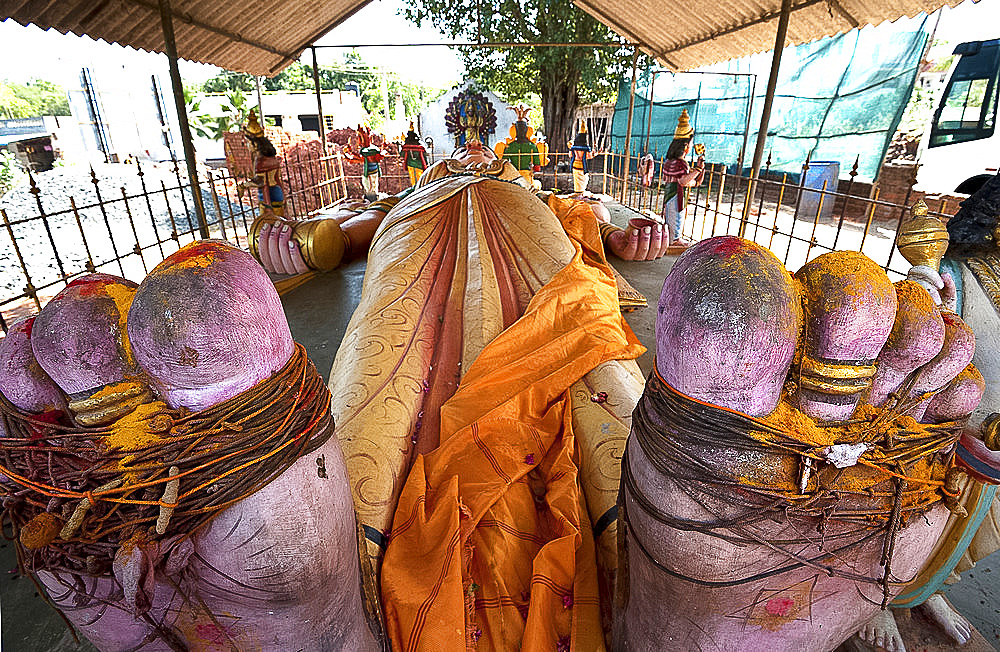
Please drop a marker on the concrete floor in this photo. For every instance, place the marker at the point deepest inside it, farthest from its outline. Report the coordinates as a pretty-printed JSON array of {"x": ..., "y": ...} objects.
[{"x": 318, "y": 313}]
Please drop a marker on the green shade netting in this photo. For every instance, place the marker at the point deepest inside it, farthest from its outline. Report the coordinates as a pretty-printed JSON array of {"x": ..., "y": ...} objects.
[{"x": 837, "y": 99}]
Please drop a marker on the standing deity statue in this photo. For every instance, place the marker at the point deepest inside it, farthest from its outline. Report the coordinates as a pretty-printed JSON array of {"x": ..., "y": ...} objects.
[
  {"x": 678, "y": 175},
  {"x": 414, "y": 155},
  {"x": 580, "y": 152},
  {"x": 369, "y": 156},
  {"x": 266, "y": 168},
  {"x": 521, "y": 149}
]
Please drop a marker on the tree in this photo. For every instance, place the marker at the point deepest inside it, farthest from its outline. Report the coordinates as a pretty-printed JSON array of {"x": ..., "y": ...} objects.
[
  {"x": 35, "y": 98},
  {"x": 214, "y": 127},
  {"x": 563, "y": 76},
  {"x": 228, "y": 80}
]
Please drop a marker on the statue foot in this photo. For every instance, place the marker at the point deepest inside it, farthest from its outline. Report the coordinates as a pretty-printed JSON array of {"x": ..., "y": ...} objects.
[
  {"x": 881, "y": 632},
  {"x": 944, "y": 615}
]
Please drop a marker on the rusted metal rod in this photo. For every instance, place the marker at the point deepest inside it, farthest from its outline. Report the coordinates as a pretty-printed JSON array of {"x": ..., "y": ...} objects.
[
  {"x": 765, "y": 114},
  {"x": 170, "y": 46}
]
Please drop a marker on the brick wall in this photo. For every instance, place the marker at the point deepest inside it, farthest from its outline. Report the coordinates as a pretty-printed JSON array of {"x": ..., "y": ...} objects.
[{"x": 303, "y": 172}]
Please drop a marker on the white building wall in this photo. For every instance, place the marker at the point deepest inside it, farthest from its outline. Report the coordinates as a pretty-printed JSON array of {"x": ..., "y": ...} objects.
[{"x": 430, "y": 122}]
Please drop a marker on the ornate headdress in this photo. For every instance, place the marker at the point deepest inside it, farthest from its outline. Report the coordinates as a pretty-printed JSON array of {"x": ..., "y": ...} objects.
[
  {"x": 684, "y": 128},
  {"x": 252, "y": 127},
  {"x": 522, "y": 112},
  {"x": 582, "y": 140},
  {"x": 412, "y": 138},
  {"x": 364, "y": 136}
]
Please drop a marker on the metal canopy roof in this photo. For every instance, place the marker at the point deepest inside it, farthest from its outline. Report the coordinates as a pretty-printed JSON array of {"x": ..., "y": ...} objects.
[
  {"x": 256, "y": 36},
  {"x": 683, "y": 35}
]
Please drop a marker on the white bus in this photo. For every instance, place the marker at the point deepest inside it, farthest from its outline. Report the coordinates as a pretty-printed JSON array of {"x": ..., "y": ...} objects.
[{"x": 961, "y": 150}]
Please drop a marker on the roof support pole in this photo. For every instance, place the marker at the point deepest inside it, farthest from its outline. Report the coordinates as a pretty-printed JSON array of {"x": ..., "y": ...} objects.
[
  {"x": 628, "y": 128},
  {"x": 319, "y": 102},
  {"x": 166, "y": 18},
  {"x": 765, "y": 114},
  {"x": 649, "y": 114}
]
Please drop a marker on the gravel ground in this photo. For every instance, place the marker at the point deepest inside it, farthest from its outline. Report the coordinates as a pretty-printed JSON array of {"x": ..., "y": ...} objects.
[{"x": 107, "y": 234}]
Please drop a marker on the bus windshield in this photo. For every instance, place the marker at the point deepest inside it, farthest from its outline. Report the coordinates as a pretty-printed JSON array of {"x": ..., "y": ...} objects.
[{"x": 969, "y": 106}]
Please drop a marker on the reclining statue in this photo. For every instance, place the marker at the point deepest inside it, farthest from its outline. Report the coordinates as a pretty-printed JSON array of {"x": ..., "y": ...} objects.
[{"x": 178, "y": 482}]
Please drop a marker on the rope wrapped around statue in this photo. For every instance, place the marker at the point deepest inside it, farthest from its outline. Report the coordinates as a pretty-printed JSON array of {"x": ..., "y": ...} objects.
[
  {"x": 169, "y": 471},
  {"x": 83, "y": 496},
  {"x": 683, "y": 437}
]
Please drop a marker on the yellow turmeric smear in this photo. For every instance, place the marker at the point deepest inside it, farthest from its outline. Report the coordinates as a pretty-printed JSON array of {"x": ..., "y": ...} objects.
[
  {"x": 122, "y": 295},
  {"x": 860, "y": 278},
  {"x": 861, "y": 477},
  {"x": 133, "y": 432},
  {"x": 799, "y": 425},
  {"x": 200, "y": 260}
]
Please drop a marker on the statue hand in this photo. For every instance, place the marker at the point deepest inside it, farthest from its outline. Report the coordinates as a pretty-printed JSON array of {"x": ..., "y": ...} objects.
[
  {"x": 930, "y": 280},
  {"x": 279, "y": 252},
  {"x": 642, "y": 240}
]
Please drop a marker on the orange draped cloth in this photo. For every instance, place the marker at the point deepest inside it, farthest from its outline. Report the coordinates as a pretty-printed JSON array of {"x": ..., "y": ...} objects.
[{"x": 491, "y": 545}]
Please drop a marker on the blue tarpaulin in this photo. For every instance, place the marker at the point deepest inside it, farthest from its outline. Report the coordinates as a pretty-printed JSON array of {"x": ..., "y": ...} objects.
[{"x": 837, "y": 99}]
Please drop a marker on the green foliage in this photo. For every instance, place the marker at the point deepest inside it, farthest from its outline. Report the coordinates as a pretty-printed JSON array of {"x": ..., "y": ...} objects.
[
  {"x": 561, "y": 76},
  {"x": 35, "y": 98},
  {"x": 299, "y": 77},
  {"x": 227, "y": 81},
  {"x": 10, "y": 172},
  {"x": 214, "y": 127}
]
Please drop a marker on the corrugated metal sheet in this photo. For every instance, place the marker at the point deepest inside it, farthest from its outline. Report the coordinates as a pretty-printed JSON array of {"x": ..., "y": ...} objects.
[
  {"x": 256, "y": 36},
  {"x": 686, "y": 35}
]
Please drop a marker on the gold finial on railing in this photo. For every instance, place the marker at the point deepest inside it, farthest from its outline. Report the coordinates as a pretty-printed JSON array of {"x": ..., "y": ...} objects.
[{"x": 923, "y": 239}]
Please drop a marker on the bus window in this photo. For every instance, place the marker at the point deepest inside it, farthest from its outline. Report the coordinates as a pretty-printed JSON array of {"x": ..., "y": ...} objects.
[{"x": 968, "y": 111}]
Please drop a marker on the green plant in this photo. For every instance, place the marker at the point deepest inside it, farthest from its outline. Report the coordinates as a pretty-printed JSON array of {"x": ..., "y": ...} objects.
[
  {"x": 35, "y": 98},
  {"x": 214, "y": 127},
  {"x": 10, "y": 172}
]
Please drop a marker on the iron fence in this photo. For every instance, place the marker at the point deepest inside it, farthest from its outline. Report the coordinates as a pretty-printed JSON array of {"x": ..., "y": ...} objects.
[
  {"x": 776, "y": 216},
  {"x": 127, "y": 223}
]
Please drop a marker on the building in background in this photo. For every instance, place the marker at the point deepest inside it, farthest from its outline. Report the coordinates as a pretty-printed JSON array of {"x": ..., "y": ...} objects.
[
  {"x": 129, "y": 113},
  {"x": 432, "y": 121}
]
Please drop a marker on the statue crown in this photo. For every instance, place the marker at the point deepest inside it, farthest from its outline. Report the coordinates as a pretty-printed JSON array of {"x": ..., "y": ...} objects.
[{"x": 252, "y": 127}]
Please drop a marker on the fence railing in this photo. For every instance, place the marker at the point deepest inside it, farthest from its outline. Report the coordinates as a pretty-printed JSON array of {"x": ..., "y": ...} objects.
[
  {"x": 128, "y": 218},
  {"x": 796, "y": 222}
]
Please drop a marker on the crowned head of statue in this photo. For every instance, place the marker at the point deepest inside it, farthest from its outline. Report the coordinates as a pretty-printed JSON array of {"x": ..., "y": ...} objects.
[{"x": 254, "y": 134}]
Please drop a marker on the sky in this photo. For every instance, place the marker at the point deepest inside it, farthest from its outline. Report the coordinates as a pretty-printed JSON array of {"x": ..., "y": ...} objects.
[{"x": 58, "y": 58}]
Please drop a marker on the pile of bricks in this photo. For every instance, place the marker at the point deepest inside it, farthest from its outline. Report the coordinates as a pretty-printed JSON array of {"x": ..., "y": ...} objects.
[
  {"x": 394, "y": 178},
  {"x": 303, "y": 173}
]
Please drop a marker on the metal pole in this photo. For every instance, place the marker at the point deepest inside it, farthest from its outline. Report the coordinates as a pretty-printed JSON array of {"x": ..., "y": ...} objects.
[
  {"x": 765, "y": 114},
  {"x": 649, "y": 118},
  {"x": 319, "y": 102},
  {"x": 628, "y": 128},
  {"x": 260, "y": 102},
  {"x": 175, "y": 81}
]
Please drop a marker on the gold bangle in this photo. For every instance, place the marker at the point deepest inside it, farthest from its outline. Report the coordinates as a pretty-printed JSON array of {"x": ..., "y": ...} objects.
[
  {"x": 607, "y": 228},
  {"x": 832, "y": 377}
]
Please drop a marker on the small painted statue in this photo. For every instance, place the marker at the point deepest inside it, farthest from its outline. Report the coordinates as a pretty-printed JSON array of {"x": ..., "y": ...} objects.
[
  {"x": 521, "y": 149},
  {"x": 369, "y": 156},
  {"x": 414, "y": 155},
  {"x": 677, "y": 175},
  {"x": 580, "y": 152},
  {"x": 266, "y": 168}
]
